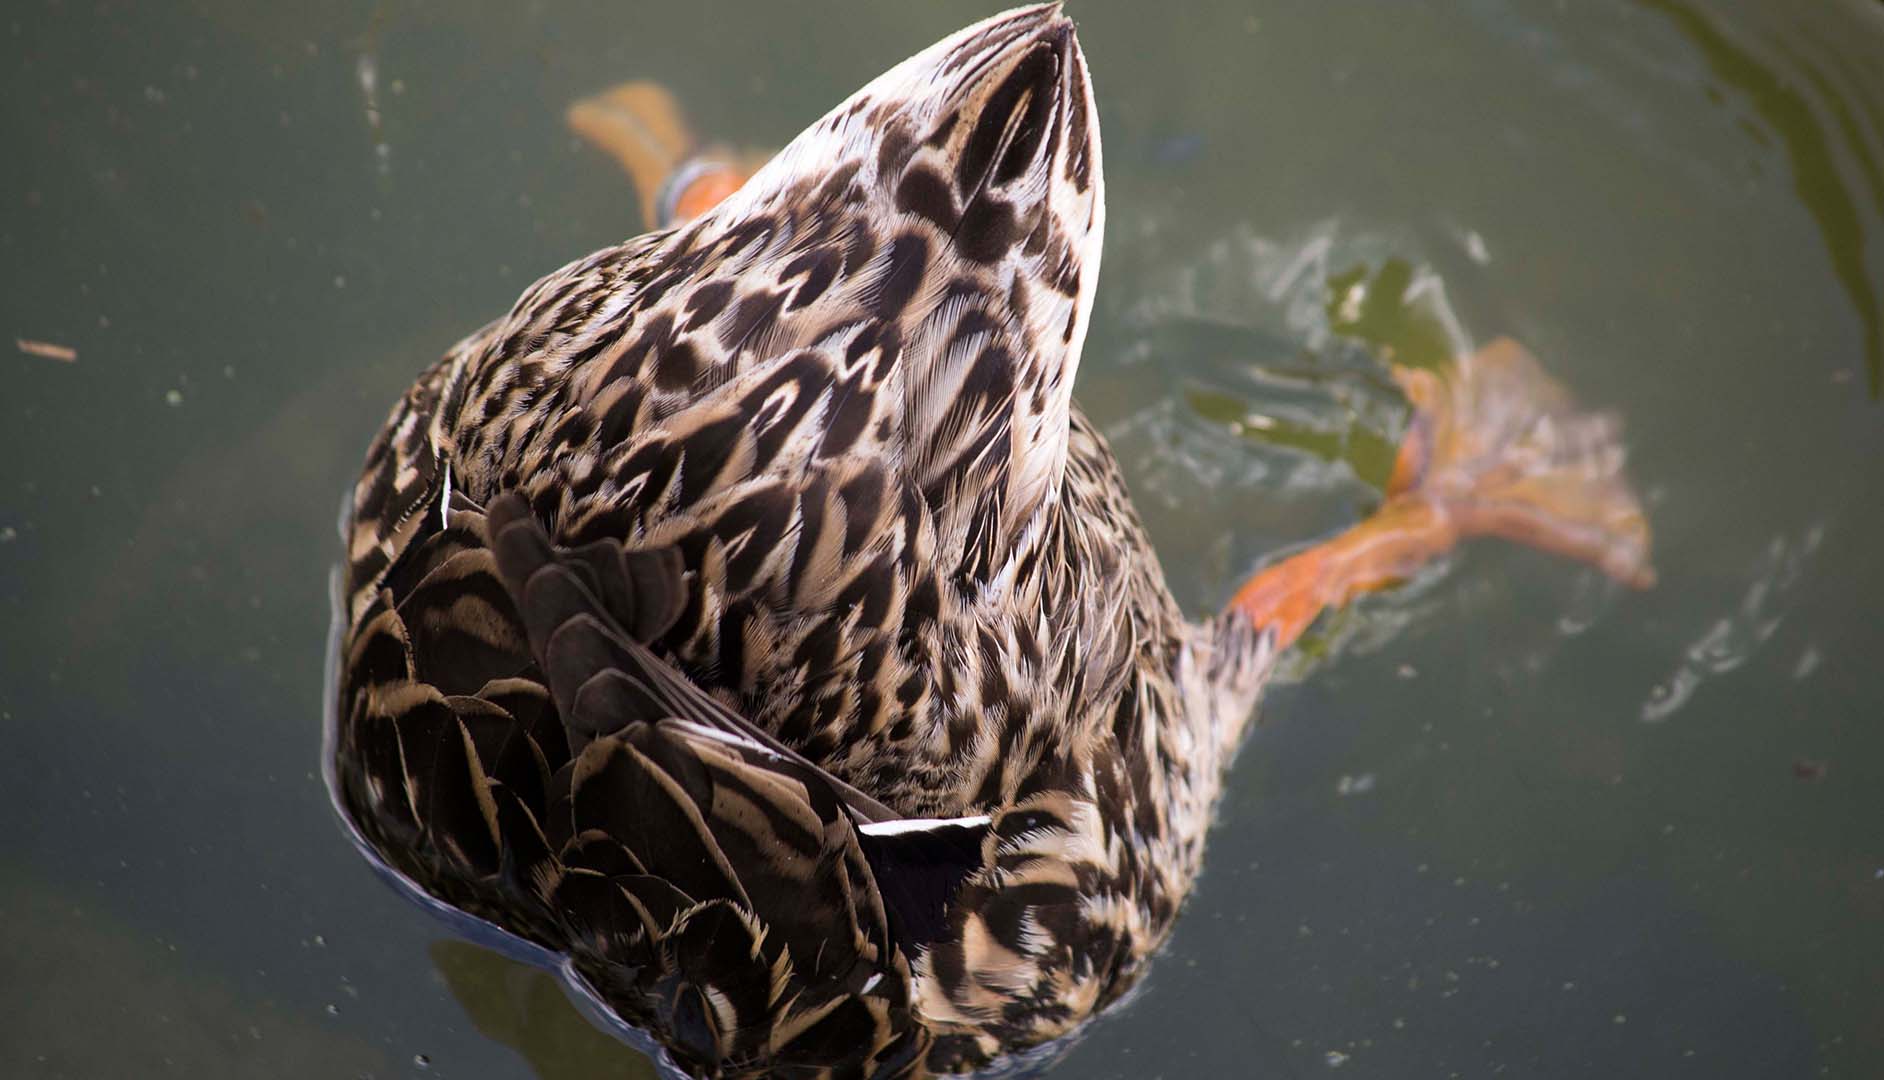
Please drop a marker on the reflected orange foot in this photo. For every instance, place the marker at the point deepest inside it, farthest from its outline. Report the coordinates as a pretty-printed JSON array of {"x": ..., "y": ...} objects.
[
  {"x": 641, "y": 126},
  {"x": 1496, "y": 448}
]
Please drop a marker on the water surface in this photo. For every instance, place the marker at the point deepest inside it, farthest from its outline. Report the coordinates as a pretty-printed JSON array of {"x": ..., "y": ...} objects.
[{"x": 1504, "y": 819}]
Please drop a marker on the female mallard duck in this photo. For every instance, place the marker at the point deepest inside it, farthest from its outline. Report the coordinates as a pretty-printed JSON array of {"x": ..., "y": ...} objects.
[{"x": 751, "y": 618}]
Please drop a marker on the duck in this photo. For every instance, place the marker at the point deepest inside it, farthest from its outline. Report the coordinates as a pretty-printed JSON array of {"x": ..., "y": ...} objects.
[{"x": 750, "y": 619}]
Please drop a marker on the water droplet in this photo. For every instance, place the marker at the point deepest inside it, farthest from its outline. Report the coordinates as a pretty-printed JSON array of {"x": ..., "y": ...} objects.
[{"x": 1354, "y": 785}]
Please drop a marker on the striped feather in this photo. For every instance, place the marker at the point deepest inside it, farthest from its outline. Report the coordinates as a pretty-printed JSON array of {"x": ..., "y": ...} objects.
[{"x": 729, "y": 546}]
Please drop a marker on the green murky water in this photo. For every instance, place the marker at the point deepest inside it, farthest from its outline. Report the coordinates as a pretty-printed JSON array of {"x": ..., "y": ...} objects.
[{"x": 1506, "y": 819}]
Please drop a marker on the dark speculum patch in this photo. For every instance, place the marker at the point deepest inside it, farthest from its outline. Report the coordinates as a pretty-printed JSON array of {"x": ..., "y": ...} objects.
[{"x": 909, "y": 260}]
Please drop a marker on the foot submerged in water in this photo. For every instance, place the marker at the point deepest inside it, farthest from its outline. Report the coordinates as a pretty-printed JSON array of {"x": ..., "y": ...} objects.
[{"x": 1496, "y": 448}]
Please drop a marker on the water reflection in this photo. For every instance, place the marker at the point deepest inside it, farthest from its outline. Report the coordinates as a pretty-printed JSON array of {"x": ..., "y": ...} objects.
[
  {"x": 189, "y": 184},
  {"x": 155, "y": 994},
  {"x": 1792, "y": 92},
  {"x": 1315, "y": 388},
  {"x": 525, "y": 1008}
]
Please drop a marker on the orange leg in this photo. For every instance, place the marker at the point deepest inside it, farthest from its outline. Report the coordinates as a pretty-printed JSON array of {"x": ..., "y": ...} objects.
[
  {"x": 640, "y": 125},
  {"x": 1386, "y": 548},
  {"x": 1496, "y": 448}
]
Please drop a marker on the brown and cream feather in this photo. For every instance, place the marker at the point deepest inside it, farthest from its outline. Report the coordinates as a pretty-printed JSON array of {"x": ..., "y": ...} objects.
[{"x": 751, "y": 616}]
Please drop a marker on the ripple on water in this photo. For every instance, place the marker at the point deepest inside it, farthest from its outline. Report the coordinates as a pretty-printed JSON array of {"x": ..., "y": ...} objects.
[{"x": 1728, "y": 641}]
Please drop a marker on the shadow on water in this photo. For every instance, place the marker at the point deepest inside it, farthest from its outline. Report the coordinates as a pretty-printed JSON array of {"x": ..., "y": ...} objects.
[
  {"x": 524, "y": 1008},
  {"x": 1794, "y": 113}
]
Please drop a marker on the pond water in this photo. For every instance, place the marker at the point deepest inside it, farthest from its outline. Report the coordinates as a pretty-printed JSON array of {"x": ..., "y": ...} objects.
[{"x": 1507, "y": 818}]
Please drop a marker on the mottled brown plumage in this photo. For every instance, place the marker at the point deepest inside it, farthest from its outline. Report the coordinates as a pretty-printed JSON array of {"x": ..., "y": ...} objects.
[{"x": 674, "y": 596}]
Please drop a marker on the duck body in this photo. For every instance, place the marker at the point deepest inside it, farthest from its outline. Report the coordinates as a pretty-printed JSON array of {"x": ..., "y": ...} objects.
[
  {"x": 751, "y": 616},
  {"x": 751, "y": 620}
]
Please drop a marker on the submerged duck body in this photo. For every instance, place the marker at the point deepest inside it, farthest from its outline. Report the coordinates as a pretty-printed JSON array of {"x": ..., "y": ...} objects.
[
  {"x": 751, "y": 616},
  {"x": 828, "y": 429}
]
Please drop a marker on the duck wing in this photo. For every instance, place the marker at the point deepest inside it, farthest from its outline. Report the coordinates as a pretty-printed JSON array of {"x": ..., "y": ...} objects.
[
  {"x": 843, "y": 399},
  {"x": 588, "y": 612},
  {"x": 704, "y": 878}
]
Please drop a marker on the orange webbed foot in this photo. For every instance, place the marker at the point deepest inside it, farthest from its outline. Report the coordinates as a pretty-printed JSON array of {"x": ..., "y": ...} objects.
[
  {"x": 1502, "y": 450},
  {"x": 1496, "y": 448},
  {"x": 642, "y": 127}
]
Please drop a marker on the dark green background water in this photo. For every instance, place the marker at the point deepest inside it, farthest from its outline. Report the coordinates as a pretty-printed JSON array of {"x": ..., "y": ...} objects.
[{"x": 1506, "y": 819}]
